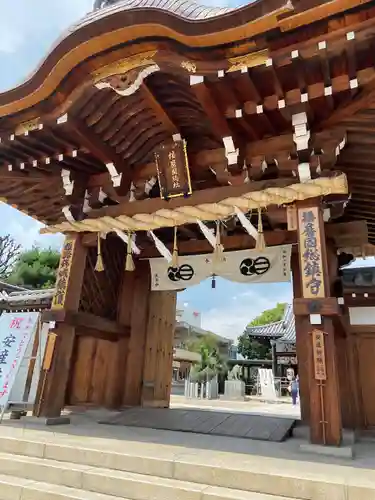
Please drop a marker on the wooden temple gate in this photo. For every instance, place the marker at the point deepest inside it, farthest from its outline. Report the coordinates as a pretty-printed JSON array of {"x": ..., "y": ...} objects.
[{"x": 255, "y": 123}]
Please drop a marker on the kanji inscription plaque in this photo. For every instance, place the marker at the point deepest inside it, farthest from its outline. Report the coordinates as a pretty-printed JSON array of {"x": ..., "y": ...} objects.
[
  {"x": 320, "y": 370},
  {"x": 63, "y": 273},
  {"x": 173, "y": 170},
  {"x": 310, "y": 253}
]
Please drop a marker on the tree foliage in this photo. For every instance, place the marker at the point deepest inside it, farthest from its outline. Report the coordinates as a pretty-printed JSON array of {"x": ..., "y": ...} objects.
[
  {"x": 35, "y": 268},
  {"x": 211, "y": 362},
  {"x": 269, "y": 316},
  {"x": 210, "y": 365},
  {"x": 251, "y": 348},
  {"x": 208, "y": 341},
  {"x": 9, "y": 252}
]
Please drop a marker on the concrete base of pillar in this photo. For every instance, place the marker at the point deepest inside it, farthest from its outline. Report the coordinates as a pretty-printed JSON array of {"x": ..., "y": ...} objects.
[
  {"x": 234, "y": 389},
  {"x": 63, "y": 420},
  {"x": 345, "y": 451}
]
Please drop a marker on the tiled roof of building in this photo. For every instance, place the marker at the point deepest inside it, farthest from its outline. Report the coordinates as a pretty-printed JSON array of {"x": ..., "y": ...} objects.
[
  {"x": 182, "y": 8},
  {"x": 283, "y": 331},
  {"x": 26, "y": 299},
  {"x": 358, "y": 277}
]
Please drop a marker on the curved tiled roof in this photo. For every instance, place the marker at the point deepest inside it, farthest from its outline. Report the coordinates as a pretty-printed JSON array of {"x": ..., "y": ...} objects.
[
  {"x": 283, "y": 331},
  {"x": 183, "y": 8}
]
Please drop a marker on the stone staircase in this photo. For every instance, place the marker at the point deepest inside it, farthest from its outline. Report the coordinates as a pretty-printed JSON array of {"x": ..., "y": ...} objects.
[{"x": 52, "y": 469}]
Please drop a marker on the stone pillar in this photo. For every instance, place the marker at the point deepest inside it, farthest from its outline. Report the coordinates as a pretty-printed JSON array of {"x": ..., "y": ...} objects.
[{"x": 316, "y": 329}]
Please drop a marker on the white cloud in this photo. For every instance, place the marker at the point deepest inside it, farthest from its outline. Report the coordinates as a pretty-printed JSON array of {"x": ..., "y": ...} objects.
[
  {"x": 230, "y": 320},
  {"x": 24, "y": 21},
  {"x": 25, "y": 230}
]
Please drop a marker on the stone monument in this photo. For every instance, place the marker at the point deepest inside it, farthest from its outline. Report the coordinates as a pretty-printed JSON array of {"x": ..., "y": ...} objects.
[{"x": 234, "y": 386}]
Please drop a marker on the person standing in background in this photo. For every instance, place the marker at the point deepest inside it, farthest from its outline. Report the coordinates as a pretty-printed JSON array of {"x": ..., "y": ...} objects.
[{"x": 294, "y": 390}]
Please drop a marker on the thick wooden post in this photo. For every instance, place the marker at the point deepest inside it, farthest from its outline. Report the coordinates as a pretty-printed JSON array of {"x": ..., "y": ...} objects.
[
  {"x": 134, "y": 363},
  {"x": 301, "y": 346},
  {"x": 157, "y": 375},
  {"x": 317, "y": 309},
  {"x": 53, "y": 384}
]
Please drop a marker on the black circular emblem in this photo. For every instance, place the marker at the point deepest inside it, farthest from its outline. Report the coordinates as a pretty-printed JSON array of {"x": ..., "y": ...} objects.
[
  {"x": 182, "y": 273},
  {"x": 258, "y": 266}
]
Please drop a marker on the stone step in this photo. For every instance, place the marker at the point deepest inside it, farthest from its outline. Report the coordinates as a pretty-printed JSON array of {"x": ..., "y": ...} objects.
[
  {"x": 114, "y": 483},
  {"x": 199, "y": 469},
  {"x": 15, "y": 488}
]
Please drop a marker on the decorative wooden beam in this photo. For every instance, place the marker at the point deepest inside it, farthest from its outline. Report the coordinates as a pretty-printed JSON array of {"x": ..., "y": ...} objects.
[
  {"x": 234, "y": 242},
  {"x": 206, "y": 196},
  {"x": 86, "y": 320}
]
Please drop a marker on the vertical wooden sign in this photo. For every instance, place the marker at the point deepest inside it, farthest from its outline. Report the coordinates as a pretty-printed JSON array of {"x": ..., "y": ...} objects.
[
  {"x": 63, "y": 273},
  {"x": 310, "y": 251},
  {"x": 173, "y": 170},
  {"x": 291, "y": 215},
  {"x": 320, "y": 369}
]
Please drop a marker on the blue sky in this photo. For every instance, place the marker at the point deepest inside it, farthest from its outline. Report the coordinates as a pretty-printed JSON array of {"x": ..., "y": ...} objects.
[{"x": 28, "y": 28}]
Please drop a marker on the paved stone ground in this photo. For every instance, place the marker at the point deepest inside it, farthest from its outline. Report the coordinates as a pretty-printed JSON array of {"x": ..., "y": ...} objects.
[
  {"x": 207, "y": 421},
  {"x": 255, "y": 406},
  {"x": 85, "y": 430}
]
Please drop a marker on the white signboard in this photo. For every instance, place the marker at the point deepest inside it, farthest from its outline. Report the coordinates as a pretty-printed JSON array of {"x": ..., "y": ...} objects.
[
  {"x": 16, "y": 330},
  {"x": 245, "y": 266},
  {"x": 17, "y": 394},
  {"x": 267, "y": 384}
]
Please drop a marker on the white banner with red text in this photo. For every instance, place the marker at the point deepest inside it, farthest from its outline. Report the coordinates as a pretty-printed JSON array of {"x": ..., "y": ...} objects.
[
  {"x": 16, "y": 331},
  {"x": 245, "y": 266}
]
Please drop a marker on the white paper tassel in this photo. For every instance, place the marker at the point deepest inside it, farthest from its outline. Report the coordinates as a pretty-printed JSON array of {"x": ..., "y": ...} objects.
[
  {"x": 260, "y": 244},
  {"x": 161, "y": 248},
  {"x": 125, "y": 239},
  {"x": 219, "y": 249},
  {"x": 208, "y": 233},
  {"x": 175, "y": 250},
  {"x": 129, "y": 262},
  {"x": 246, "y": 224}
]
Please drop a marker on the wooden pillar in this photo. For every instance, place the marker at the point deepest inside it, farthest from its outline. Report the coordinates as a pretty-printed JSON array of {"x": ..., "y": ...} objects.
[
  {"x": 351, "y": 395},
  {"x": 301, "y": 346},
  {"x": 139, "y": 297},
  {"x": 53, "y": 384},
  {"x": 124, "y": 311},
  {"x": 157, "y": 375},
  {"x": 317, "y": 309}
]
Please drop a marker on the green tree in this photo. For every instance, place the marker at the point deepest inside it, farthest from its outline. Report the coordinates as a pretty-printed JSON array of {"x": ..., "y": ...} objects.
[
  {"x": 210, "y": 365},
  {"x": 269, "y": 316},
  {"x": 251, "y": 348},
  {"x": 208, "y": 341},
  {"x": 35, "y": 268}
]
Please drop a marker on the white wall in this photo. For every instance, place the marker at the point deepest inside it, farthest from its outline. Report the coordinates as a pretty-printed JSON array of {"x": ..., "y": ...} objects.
[
  {"x": 189, "y": 315},
  {"x": 362, "y": 315}
]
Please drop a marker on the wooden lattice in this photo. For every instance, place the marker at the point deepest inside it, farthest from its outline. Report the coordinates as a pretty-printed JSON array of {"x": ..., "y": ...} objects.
[{"x": 100, "y": 290}]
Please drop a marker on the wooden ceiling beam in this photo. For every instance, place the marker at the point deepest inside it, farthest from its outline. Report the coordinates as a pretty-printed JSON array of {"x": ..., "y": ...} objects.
[
  {"x": 93, "y": 142},
  {"x": 194, "y": 246},
  {"x": 299, "y": 97},
  {"x": 364, "y": 99},
  {"x": 218, "y": 122},
  {"x": 158, "y": 109}
]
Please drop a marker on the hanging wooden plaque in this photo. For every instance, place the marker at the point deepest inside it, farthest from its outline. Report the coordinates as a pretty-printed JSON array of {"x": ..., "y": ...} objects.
[
  {"x": 319, "y": 355},
  {"x": 310, "y": 251},
  {"x": 173, "y": 170},
  {"x": 49, "y": 352},
  {"x": 63, "y": 273},
  {"x": 291, "y": 215}
]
